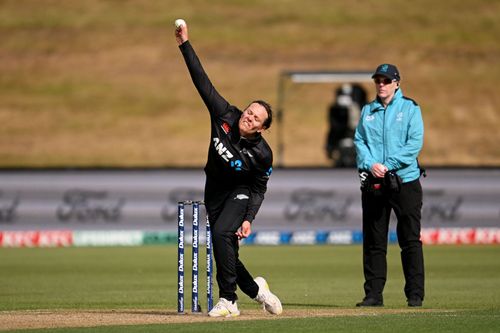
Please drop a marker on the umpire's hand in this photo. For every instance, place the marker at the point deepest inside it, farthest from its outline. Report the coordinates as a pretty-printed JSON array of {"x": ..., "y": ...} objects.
[{"x": 378, "y": 170}]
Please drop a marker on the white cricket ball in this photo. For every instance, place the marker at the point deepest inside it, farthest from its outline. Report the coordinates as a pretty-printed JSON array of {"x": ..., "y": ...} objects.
[{"x": 179, "y": 22}]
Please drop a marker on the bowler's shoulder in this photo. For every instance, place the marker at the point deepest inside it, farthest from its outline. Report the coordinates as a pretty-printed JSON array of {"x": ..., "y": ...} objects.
[
  {"x": 231, "y": 114},
  {"x": 264, "y": 152}
]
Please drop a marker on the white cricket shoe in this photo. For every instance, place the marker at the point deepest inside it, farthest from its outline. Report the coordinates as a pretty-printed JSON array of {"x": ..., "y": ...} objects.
[
  {"x": 224, "y": 308},
  {"x": 270, "y": 302}
]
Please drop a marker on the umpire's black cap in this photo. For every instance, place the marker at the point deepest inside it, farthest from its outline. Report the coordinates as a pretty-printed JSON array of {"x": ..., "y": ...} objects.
[{"x": 387, "y": 70}]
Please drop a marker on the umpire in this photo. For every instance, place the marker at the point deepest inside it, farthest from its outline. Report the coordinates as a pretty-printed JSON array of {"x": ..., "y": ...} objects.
[{"x": 388, "y": 139}]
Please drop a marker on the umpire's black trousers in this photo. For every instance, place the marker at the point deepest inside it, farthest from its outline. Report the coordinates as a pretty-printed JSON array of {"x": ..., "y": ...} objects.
[
  {"x": 377, "y": 207},
  {"x": 226, "y": 210}
]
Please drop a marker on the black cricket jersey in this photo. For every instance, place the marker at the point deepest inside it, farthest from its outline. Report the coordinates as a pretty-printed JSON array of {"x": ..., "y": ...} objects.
[{"x": 233, "y": 161}]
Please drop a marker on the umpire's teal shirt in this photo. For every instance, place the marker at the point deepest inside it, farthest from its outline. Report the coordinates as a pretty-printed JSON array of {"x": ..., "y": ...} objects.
[{"x": 392, "y": 136}]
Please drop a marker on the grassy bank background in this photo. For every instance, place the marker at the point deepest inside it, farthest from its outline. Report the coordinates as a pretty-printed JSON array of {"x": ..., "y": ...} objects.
[{"x": 102, "y": 83}]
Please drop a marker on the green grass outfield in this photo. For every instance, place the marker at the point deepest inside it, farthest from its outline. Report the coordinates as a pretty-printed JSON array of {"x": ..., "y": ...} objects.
[{"x": 463, "y": 288}]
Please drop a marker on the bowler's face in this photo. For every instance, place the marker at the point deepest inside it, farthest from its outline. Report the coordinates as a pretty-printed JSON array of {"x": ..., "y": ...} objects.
[{"x": 252, "y": 120}]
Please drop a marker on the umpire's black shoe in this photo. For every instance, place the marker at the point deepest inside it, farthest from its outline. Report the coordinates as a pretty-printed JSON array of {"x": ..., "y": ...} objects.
[
  {"x": 415, "y": 302},
  {"x": 368, "y": 301}
]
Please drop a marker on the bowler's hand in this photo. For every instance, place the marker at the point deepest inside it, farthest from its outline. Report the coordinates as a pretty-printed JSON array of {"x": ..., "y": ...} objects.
[
  {"x": 245, "y": 230},
  {"x": 378, "y": 170},
  {"x": 181, "y": 34}
]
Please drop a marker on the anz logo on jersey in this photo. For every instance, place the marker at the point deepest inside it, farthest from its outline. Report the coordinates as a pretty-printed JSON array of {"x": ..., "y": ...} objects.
[
  {"x": 226, "y": 155},
  {"x": 221, "y": 150}
]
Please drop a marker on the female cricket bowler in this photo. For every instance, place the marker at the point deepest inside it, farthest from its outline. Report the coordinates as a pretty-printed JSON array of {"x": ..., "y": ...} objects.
[{"x": 237, "y": 170}]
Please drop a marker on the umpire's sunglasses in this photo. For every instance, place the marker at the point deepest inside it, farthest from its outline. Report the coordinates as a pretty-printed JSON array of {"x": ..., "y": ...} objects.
[{"x": 384, "y": 80}]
